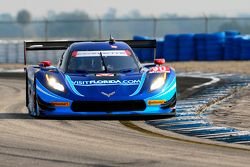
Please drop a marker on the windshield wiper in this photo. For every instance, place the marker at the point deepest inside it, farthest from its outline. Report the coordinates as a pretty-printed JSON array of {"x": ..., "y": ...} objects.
[
  {"x": 103, "y": 63},
  {"x": 126, "y": 70}
]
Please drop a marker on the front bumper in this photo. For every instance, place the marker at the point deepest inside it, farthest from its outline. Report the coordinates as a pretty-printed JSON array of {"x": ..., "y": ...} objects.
[{"x": 46, "y": 98}]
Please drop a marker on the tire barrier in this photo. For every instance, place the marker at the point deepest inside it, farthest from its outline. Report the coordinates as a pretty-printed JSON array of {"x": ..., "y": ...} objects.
[
  {"x": 232, "y": 45},
  {"x": 232, "y": 48},
  {"x": 159, "y": 48},
  {"x": 236, "y": 48},
  {"x": 214, "y": 46},
  {"x": 186, "y": 47},
  {"x": 170, "y": 52},
  {"x": 245, "y": 48},
  {"x": 228, "y": 45},
  {"x": 228, "y": 52},
  {"x": 144, "y": 55},
  {"x": 231, "y": 33},
  {"x": 174, "y": 47},
  {"x": 200, "y": 46}
]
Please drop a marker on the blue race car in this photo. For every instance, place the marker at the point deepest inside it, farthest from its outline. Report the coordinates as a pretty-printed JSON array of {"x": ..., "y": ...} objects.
[{"x": 99, "y": 78}]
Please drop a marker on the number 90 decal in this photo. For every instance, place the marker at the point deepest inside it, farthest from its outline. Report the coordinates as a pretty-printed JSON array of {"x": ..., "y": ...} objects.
[{"x": 159, "y": 69}]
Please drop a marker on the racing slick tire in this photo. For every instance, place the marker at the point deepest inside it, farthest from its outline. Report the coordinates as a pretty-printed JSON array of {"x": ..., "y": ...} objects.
[{"x": 32, "y": 101}]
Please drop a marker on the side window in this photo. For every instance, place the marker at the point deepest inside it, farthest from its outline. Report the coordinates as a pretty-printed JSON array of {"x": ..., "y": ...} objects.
[
  {"x": 63, "y": 60},
  {"x": 60, "y": 60}
]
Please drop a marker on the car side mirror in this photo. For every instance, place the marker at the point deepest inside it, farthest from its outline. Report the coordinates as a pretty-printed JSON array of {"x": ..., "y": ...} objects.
[
  {"x": 159, "y": 61},
  {"x": 45, "y": 63}
]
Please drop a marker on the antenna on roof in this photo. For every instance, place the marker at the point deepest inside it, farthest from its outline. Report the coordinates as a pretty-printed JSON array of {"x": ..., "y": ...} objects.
[{"x": 111, "y": 39}]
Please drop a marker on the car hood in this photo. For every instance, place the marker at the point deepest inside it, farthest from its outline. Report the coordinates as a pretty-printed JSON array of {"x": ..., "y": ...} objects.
[{"x": 104, "y": 87}]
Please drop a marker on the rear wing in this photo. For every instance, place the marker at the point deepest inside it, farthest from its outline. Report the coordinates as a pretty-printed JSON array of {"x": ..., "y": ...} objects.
[{"x": 63, "y": 45}]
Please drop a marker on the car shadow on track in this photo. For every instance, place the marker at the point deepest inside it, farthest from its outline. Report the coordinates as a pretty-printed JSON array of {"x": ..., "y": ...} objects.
[
  {"x": 109, "y": 118},
  {"x": 94, "y": 118},
  {"x": 14, "y": 116}
]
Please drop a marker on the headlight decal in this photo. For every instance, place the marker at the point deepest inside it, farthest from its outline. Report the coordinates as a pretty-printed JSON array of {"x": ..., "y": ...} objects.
[
  {"x": 171, "y": 87},
  {"x": 42, "y": 90},
  {"x": 72, "y": 86},
  {"x": 141, "y": 84}
]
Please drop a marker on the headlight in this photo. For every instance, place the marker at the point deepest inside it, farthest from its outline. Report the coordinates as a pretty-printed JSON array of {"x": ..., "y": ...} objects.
[
  {"x": 158, "y": 83},
  {"x": 54, "y": 83}
]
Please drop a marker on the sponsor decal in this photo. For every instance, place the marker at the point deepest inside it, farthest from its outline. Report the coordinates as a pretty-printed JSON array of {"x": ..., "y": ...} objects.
[
  {"x": 97, "y": 53},
  {"x": 128, "y": 52},
  {"x": 106, "y": 82},
  {"x": 60, "y": 104},
  {"x": 156, "y": 102},
  {"x": 105, "y": 75},
  {"x": 159, "y": 69}
]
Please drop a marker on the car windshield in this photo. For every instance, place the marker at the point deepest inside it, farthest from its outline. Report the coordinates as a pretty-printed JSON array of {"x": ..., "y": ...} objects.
[{"x": 102, "y": 61}]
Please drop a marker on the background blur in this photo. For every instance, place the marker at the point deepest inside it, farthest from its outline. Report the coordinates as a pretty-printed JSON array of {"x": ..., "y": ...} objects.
[
  {"x": 78, "y": 25},
  {"x": 87, "y": 20}
]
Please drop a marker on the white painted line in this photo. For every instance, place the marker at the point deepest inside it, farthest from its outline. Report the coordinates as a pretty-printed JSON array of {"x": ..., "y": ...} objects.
[
  {"x": 184, "y": 123},
  {"x": 12, "y": 70},
  {"x": 230, "y": 134},
  {"x": 187, "y": 129},
  {"x": 201, "y": 75},
  {"x": 214, "y": 80},
  {"x": 242, "y": 142},
  {"x": 204, "y": 128}
]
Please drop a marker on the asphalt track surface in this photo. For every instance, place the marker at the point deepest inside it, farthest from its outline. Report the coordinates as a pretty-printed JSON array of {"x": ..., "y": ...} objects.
[{"x": 25, "y": 141}]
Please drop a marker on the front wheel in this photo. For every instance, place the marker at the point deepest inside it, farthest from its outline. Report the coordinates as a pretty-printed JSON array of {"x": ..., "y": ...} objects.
[{"x": 32, "y": 102}]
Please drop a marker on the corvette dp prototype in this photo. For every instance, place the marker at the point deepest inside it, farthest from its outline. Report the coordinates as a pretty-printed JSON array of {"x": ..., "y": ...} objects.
[{"x": 98, "y": 78}]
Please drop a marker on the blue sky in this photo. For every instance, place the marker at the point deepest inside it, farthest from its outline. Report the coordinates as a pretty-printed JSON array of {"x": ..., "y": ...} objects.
[{"x": 146, "y": 7}]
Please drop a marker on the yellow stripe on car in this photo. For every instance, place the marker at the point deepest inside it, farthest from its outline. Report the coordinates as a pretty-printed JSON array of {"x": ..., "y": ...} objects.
[
  {"x": 60, "y": 104},
  {"x": 156, "y": 102}
]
